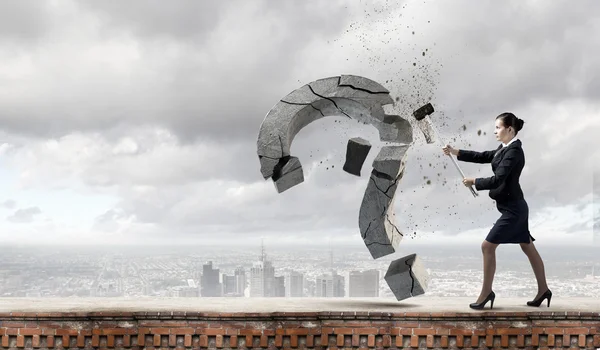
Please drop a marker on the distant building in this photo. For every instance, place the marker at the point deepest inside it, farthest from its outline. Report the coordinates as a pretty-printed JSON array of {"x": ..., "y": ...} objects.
[
  {"x": 294, "y": 284},
  {"x": 209, "y": 283},
  {"x": 363, "y": 284},
  {"x": 240, "y": 280},
  {"x": 262, "y": 278},
  {"x": 330, "y": 285},
  {"x": 279, "y": 287}
]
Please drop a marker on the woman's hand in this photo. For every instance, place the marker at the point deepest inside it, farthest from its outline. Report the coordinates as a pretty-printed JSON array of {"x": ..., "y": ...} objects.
[
  {"x": 469, "y": 181},
  {"x": 450, "y": 150}
]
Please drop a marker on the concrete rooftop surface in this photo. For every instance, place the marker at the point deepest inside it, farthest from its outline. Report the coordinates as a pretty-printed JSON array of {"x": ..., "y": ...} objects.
[{"x": 267, "y": 305}]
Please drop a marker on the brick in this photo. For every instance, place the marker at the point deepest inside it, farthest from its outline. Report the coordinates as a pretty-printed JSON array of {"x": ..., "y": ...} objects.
[
  {"x": 414, "y": 341},
  {"x": 204, "y": 341},
  {"x": 387, "y": 341},
  {"x": 187, "y": 340},
  {"x": 444, "y": 341},
  {"x": 474, "y": 341},
  {"x": 310, "y": 341},
  {"x": 460, "y": 342},
  {"x": 5, "y": 341},
  {"x": 246, "y": 332},
  {"x": 219, "y": 341},
  {"x": 423, "y": 331},
  {"x": 161, "y": 330},
  {"x": 233, "y": 341},
  {"x": 50, "y": 341},
  {"x": 577, "y": 330},
  {"x": 20, "y": 341},
  {"x": 504, "y": 341},
  {"x": 298, "y": 331},
  {"x": 430, "y": 341},
  {"x": 66, "y": 331},
  {"x": 126, "y": 340},
  {"x": 66, "y": 341},
  {"x": 582, "y": 340},
  {"x": 294, "y": 341},
  {"x": 535, "y": 340},
  {"x": 110, "y": 341},
  {"x": 30, "y": 331},
  {"x": 554, "y": 330},
  {"x": 458, "y": 331},
  {"x": 442, "y": 331},
  {"x": 551, "y": 339},
  {"x": 156, "y": 340},
  {"x": 343, "y": 331},
  {"x": 489, "y": 340},
  {"x": 35, "y": 341},
  {"x": 366, "y": 331},
  {"x": 172, "y": 340}
]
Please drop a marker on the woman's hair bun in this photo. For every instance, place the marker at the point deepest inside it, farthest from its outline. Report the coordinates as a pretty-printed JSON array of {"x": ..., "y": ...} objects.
[{"x": 519, "y": 124}]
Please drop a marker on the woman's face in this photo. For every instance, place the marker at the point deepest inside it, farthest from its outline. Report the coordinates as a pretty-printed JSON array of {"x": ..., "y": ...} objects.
[{"x": 503, "y": 134}]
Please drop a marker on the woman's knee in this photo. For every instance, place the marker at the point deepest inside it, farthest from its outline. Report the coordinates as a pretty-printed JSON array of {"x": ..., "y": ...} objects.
[{"x": 488, "y": 248}]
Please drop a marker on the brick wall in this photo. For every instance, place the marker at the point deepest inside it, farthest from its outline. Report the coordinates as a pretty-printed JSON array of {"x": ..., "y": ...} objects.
[{"x": 307, "y": 330}]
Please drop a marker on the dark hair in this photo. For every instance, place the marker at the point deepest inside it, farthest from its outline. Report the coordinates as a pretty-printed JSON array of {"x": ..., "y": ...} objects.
[{"x": 509, "y": 119}]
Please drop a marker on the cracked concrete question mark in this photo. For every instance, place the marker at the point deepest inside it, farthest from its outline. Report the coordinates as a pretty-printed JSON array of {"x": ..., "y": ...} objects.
[{"x": 361, "y": 99}]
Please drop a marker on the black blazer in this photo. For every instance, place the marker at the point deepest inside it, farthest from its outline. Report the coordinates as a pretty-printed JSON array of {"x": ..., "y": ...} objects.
[{"x": 507, "y": 164}]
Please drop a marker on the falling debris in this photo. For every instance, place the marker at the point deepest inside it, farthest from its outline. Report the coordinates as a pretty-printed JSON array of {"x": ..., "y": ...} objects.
[{"x": 356, "y": 153}]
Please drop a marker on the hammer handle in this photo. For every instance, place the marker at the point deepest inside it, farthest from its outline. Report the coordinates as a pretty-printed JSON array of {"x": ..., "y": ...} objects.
[{"x": 473, "y": 192}]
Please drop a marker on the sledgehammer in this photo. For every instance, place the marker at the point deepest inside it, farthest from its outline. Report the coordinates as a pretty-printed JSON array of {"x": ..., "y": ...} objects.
[{"x": 426, "y": 126}]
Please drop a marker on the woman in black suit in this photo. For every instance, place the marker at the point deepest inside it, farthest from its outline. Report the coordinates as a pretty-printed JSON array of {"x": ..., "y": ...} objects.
[{"x": 507, "y": 162}]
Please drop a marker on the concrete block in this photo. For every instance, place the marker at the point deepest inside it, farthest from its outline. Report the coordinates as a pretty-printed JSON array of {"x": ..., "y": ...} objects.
[
  {"x": 356, "y": 153},
  {"x": 407, "y": 277},
  {"x": 396, "y": 129},
  {"x": 376, "y": 216},
  {"x": 287, "y": 174}
]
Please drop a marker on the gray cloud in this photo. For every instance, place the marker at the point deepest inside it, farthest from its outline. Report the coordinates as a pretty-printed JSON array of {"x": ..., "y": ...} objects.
[
  {"x": 9, "y": 204},
  {"x": 25, "y": 215},
  {"x": 206, "y": 74}
]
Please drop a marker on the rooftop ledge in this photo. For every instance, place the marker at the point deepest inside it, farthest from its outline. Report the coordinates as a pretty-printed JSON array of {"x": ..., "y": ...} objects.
[
  {"x": 295, "y": 323},
  {"x": 241, "y": 306}
]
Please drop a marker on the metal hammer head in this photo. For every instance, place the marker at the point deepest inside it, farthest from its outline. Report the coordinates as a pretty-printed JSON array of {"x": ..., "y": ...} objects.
[{"x": 423, "y": 111}]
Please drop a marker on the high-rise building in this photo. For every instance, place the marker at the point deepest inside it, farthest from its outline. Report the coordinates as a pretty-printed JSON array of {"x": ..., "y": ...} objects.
[
  {"x": 210, "y": 285},
  {"x": 596, "y": 203},
  {"x": 279, "y": 286},
  {"x": 330, "y": 285},
  {"x": 363, "y": 284},
  {"x": 294, "y": 284},
  {"x": 240, "y": 280},
  {"x": 262, "y": 277},
  {"x": 229, "y": 287}
]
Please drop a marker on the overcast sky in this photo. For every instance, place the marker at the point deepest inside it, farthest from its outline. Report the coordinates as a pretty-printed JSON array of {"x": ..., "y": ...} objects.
[{"x": 136, "y": 122}]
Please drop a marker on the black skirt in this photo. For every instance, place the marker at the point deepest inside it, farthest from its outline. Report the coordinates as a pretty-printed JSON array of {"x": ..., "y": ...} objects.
[{"x": 513, "y": 224}]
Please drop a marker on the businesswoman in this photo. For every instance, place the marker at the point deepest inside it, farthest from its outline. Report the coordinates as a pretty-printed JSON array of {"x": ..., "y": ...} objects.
[{"x": 507, "y": 162}]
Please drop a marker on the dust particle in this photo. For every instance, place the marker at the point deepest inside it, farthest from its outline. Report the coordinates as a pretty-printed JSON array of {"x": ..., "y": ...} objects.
[
  {"x": 464, "y": 127},
  {"x": 478, "y": 132}
]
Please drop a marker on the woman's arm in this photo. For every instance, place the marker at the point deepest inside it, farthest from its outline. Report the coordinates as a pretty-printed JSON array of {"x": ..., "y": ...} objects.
[
  {"x": 509, "y": 161},
  {"x": 475, "y": 157}
]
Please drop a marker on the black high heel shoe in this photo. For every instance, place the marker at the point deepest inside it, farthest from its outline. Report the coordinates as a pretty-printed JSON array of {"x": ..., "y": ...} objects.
[
  {"x": 538, "y": 302},
  {"x": 481, "y": 305}
]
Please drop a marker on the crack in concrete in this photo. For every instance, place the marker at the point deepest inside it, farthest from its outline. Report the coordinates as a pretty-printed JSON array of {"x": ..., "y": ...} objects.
[
  {"x": 411, "y": 277},
  {"x": 384, "y": 244},
  {"x": 380, "y": 190},
  {"x": 304, "y": 104},
  {"x": 361, "y": 89},
  {"x": 391, "y": 223},
  {"x": 364, "y": 236},
  {"x": 330, "y": 100}
]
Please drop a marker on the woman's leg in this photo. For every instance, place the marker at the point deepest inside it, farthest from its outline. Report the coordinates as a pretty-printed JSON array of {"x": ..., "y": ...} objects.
[
  {"x": 538, "y": 266},
  {"x": 489, "y": 268}
]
